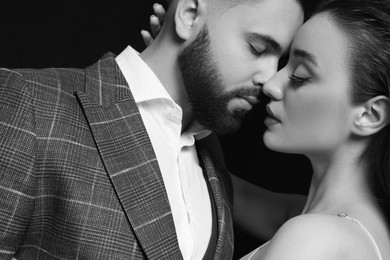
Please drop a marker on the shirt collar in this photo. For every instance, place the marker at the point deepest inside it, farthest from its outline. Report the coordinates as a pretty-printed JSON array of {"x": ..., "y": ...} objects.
[
  {"x": 145, "y": 86},
  {"x": 143, "y": 83},
  {"x": 195, "y": 131}
]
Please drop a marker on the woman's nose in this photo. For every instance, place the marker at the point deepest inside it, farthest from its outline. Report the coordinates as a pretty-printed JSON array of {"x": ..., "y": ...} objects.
[{"x": 273, "y": 88}]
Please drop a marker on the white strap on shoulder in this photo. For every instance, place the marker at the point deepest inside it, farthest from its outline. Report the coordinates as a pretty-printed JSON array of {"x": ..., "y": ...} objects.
[
  {"x": 378, "y": 252},
  {"x": 256, "y": 250}
]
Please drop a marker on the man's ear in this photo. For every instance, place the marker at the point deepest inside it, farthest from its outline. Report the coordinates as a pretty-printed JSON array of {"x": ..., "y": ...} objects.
[
  {"x": 187, "y": 16},
  {"x": 373, "y": 116}
]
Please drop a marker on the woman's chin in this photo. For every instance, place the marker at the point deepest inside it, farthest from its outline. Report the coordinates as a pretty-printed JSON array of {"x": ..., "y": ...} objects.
[
  {"x": 271, "y": 142},
  {"x": 275, "y": 143}
]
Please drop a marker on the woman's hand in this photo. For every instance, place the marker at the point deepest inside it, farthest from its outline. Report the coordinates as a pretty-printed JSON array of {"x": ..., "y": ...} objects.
[{"x": 156, "y": 21}]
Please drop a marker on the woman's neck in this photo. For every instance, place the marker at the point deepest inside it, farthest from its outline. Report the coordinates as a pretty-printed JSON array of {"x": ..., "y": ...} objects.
[
  {"x": 341, "y": 184},
  {"x": 338, "y": 182}
]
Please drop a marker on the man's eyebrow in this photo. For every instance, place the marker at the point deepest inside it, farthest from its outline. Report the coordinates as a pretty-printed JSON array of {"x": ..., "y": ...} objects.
[
  {"x": 268, "y": 39},
  {"x": 306, "y": 55}
]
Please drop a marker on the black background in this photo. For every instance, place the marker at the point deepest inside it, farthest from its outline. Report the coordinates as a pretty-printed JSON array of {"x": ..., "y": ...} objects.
[{"x": 59, "y": 33}]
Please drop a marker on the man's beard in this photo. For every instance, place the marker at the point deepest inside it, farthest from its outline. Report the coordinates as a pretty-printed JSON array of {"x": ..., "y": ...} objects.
[{"x": 205, "y": 88}]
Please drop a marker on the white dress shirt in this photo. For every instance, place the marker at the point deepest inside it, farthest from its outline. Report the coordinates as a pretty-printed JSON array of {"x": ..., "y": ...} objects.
[{"x": 176, "y": 155}]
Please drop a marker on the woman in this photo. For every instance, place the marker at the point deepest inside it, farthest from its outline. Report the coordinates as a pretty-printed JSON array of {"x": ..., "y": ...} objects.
[{"x": 331, "y": 102}]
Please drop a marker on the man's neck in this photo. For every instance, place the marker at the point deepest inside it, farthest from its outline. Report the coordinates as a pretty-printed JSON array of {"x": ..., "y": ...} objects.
[{"x": 161, "y": 57}]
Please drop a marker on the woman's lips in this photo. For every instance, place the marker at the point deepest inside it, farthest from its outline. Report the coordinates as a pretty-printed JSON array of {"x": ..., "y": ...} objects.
[{"x": 271, "y": 119}]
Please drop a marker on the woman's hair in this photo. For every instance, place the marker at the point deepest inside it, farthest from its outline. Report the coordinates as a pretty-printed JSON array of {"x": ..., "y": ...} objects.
[{"x": 367, "y": 25}]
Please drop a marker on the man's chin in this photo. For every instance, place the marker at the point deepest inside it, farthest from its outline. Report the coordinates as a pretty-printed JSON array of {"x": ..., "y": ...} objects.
[{"x": 226, "y": 125}]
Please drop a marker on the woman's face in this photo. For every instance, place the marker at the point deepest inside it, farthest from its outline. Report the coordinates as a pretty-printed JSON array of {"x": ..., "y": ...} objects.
[{"x": 310, "y": 109}]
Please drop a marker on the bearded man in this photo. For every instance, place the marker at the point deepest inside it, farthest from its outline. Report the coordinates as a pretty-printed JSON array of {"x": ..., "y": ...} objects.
[{"x": 110, "y": 162}]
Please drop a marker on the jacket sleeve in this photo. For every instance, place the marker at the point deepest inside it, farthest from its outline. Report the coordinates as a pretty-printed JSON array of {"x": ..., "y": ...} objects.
[{"x": 17, "y": 160}]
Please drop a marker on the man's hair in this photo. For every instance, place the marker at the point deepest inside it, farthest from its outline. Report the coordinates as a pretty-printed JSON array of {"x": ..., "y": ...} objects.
[{"x": 223, "y": 5}]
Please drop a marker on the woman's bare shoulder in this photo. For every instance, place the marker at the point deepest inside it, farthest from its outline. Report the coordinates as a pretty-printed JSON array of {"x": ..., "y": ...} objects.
[{"x": 316, "y": 236}]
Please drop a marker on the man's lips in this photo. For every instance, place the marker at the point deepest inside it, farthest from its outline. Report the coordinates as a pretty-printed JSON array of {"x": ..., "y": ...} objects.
[
  {"x": 252, "y": 100},
  {"x": 251, "y": 95},
  {"x": 244, "y": 100},
  {"x": 242, "y": 103}
]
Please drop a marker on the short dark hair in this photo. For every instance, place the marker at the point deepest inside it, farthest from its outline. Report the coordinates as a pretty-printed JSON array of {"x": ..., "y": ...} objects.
[
  {"x": 367, "y": 25},
  {"x": 307, "y": 5}
]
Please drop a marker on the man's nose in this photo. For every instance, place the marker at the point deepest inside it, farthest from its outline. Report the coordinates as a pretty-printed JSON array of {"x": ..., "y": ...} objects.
[{"x": 265, "y": 72}]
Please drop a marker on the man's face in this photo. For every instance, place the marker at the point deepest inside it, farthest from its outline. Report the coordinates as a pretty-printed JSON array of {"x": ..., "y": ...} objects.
[{"x": 234, "y": 54}]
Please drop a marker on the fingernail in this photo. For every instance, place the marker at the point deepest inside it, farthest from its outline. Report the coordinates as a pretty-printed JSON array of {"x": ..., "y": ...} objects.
[{"x": 158, "y": 8}]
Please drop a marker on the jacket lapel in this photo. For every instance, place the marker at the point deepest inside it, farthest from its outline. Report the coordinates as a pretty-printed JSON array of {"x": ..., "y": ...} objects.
[
  {"x": 225, "y": 240},
  {"x": 129, "y": 159}
]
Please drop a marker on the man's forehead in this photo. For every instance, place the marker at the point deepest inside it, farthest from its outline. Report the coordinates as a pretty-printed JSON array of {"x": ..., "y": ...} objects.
[
  {"x": 252, "y": 2},
  {"x": 274, "y": 22}
]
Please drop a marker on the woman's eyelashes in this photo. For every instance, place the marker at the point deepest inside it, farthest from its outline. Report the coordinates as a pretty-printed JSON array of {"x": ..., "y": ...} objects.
[{"x": 298, "y": 80}]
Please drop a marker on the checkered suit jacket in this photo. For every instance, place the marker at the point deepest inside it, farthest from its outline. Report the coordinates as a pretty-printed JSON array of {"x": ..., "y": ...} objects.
[{"x": 78, "y": 176}]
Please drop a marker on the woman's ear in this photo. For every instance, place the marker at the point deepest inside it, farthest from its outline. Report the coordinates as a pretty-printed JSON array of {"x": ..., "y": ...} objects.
[
  {"x": 187, "y": 15},
  {"x": 373, "y": 116}
]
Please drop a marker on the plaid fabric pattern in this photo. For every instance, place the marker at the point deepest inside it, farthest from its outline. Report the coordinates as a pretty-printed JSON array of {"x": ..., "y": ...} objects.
[
  {"x": 78, "y": 176},
  {"x": 222, "y": 189}
]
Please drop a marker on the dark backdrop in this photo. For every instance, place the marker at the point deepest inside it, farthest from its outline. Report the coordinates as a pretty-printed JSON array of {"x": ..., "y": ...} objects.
[{"x": 76, "y": 33}]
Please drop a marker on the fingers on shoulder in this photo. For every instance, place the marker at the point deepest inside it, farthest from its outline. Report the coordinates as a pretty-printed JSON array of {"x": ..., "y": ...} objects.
[{"x": 159, "y": 11}]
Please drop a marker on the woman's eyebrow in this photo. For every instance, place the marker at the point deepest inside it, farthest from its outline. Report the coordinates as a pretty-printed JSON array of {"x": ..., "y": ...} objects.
[{"x": 306, "y": 56}]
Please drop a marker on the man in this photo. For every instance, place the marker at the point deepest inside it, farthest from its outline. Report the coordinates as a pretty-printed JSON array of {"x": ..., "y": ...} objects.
[
  {"x": 103, "y": 163},
  {"x": 258, "y": 211}
]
